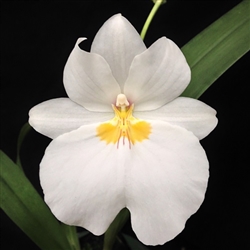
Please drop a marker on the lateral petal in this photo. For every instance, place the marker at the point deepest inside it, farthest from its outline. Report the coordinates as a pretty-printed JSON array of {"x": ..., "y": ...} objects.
[
  {"x": 188, "y": 113},
  {"x": 58, "y": 116},
  {"x": 157, "y": 76},
  {"x": 166, "y": 182},
  {"x": 88, "y": 80},
  {"x": 118, "y": 42}
]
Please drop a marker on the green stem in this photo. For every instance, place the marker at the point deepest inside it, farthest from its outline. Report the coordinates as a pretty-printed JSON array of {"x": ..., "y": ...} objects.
[{"x": 157, "y": 4}]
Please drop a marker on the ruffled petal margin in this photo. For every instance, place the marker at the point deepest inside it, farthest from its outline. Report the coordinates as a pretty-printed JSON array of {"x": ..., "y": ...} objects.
[{"x": 161, "y": 180}]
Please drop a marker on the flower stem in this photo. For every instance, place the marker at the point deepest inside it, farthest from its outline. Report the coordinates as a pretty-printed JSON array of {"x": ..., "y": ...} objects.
[{"x": 156, "y": 6}]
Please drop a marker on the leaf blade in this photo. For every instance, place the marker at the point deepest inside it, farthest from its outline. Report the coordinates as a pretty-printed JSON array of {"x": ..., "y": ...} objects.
[
  {"x": 21, "y": 202},
  {"x": 114, "y": 228},
  {"x": 23, "y": 132},
  {"x": 209, "y": 54}
]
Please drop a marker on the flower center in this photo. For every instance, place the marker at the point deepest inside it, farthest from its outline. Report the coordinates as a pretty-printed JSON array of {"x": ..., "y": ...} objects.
[{"x": 123, "y": 125}]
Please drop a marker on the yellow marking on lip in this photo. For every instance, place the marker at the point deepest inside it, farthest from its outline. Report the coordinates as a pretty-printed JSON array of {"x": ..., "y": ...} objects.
[{"x": 124, "y": 126}]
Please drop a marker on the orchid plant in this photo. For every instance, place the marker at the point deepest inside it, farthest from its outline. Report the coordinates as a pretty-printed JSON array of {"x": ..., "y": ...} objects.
[{"x": 125, "y": 143}]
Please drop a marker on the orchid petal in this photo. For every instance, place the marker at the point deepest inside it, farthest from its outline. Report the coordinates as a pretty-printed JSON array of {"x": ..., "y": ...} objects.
[
  {"x": 188, "y": 113},
  {"x": 118, "y": 42},
  {"x": 157, "y": 76},
  {"x": 82, "y": 181},
  {"x": 88, "y": 80},
  {"x": 161, "y": 180},
  {"x": 166, "y": 182},
  {"x": 58, "y": 116}
]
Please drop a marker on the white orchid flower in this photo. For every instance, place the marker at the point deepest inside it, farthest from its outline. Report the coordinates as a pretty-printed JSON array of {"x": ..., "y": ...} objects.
[{"x": 124, "y": 137}]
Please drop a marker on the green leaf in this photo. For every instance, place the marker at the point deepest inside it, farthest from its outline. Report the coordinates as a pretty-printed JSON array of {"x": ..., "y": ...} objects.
[
  {"x": 133, "y": 243},
  {"x": 214, "y": 50},
  {"x": 71, "y": 235},
  {"x": 21, "y": 202},
  {"x": 114, "y": 229},
  {"x": 23, "y": 132}
]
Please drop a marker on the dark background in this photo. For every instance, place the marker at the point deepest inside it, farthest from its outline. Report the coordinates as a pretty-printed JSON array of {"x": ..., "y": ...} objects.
[{"x": 36, "y": 39}]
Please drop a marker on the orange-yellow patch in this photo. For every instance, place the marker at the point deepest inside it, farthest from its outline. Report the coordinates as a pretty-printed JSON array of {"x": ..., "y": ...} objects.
[{"x": 124, "y": 125}]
